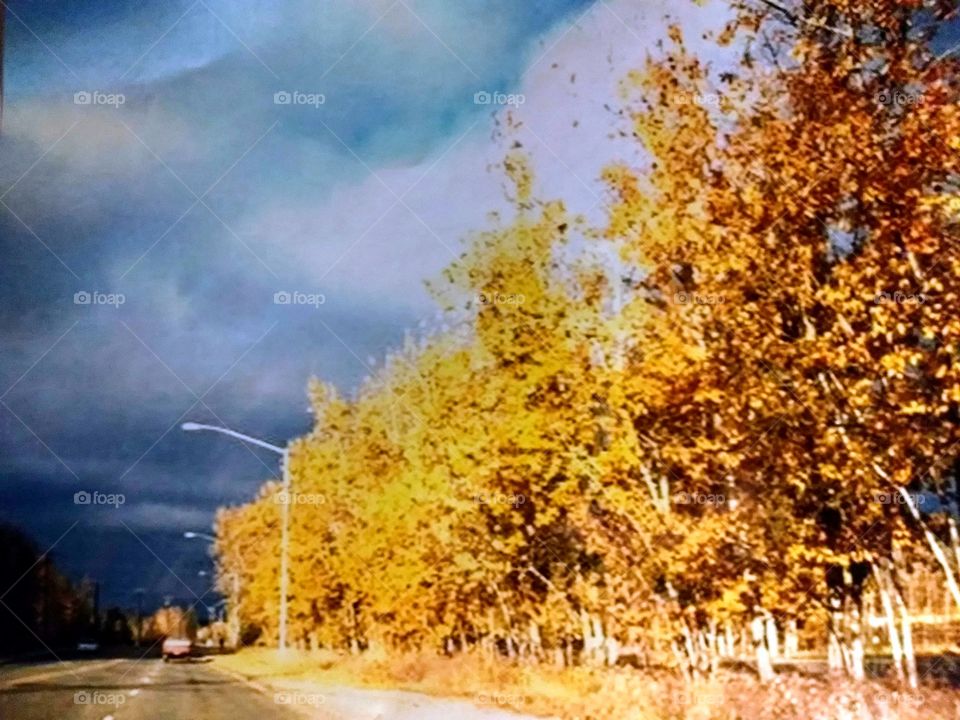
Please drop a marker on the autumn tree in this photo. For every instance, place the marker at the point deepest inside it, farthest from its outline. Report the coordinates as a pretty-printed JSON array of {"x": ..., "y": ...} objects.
[{"x": 732, "y": 429}]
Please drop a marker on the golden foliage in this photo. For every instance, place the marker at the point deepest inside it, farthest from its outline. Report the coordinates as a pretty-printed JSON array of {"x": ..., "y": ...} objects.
[{"x": 564, "y": 469}]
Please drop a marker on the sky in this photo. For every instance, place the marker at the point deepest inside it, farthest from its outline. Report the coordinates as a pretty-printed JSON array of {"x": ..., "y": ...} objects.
[{"x": 170, "y": 172}]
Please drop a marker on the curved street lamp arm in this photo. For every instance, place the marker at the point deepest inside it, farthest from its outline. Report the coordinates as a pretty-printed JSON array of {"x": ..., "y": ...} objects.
[{"x": 234, "y": 434}]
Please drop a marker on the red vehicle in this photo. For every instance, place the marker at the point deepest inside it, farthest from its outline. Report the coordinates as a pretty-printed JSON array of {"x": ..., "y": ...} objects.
[{"x": 174, "y": 648}]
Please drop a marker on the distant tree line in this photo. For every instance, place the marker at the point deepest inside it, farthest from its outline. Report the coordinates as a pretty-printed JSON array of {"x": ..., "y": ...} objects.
[{"x": 42, "y": 606}]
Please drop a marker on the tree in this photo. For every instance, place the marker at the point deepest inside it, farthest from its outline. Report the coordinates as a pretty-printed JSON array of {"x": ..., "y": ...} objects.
[{"x": 729, "y": 430}]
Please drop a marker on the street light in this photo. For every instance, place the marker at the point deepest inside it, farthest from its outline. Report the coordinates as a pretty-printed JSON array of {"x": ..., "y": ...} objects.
[
  {"x": 189, "y": 535},
  {"x": 284, "y": 454},
  {"x": 235, "y": 576}
]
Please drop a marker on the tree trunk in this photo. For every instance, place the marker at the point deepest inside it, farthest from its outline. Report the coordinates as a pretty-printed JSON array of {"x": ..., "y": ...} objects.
[
  {"x": 536, "y": 643},
  {"x": 599, "y": 639},
  {"x": 893, "y": 634},
  {"x": 508, "y": 625},
  {"x": 689, "y": 649},
  {"x": 855, "y": 666},
  {"x": 906, "y": 633},
  {"x": 728, "y": 640},
  {"x": 773, "y": 641},
  {"x": 713, "y": 648},
  {"x": 835, "y": 661},
  {"x": 354, "y": 640},
  {"x": 934, "y": 544},
  {"x": 683, "y": 661},
  {"x": 952, "y": 514},
  {"x": 761, "y": 652},
  {"x": 791, "y": 641},
  {"x": 612, "y": 651}
]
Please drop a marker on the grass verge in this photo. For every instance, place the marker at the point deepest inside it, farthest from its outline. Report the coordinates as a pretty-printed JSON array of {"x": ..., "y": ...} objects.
[{"x": 600, "y": 694}]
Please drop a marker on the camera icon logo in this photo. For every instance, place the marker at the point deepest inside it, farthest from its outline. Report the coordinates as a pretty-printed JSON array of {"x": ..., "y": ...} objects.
[
  {"x": 81, "y": 498},
  {"x": 82, "y": 98},
  {"x": 81, "y": 298},
  {"x": 81, "y": 698},
  {"x": 482, "y": 97},
  {"x": 282, "y": 297},
  {"x": 282, "y": 98}
]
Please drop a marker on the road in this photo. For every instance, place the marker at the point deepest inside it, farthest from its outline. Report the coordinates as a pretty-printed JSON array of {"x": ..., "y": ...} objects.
[
  {"x": 131, "y": 690},
  {"x": 149, "y": 689}
]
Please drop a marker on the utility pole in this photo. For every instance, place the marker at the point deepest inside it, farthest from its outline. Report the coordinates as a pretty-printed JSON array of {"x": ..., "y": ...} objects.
[
  {"x": 284, "y": 453},
  {"x": 139, "y": 593},
  {"x": 285, "y": 548}
]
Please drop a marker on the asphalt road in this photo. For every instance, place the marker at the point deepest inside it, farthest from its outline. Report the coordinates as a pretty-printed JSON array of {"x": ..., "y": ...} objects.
[
  {"x": 134, "y": 690},
  {"x": 149, "y": 689}
]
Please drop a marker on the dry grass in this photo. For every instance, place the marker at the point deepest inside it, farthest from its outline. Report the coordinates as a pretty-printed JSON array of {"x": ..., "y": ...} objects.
[{"x": 602, "y": 694}]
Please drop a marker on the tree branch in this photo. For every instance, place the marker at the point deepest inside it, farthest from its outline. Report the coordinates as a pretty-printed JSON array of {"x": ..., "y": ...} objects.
[{"x": 796, "y": 19}]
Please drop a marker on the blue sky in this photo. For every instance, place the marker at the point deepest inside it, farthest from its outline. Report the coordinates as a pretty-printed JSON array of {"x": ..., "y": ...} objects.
[{"x": 199, "y": 197}]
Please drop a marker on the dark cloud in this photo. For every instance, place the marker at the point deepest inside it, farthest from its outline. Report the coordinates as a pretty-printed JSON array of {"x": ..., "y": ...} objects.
[{"x": 103, "y": 198}]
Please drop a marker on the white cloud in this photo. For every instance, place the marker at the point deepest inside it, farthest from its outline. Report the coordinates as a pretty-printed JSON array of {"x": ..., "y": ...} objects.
[{"x": 568, "y": 124}]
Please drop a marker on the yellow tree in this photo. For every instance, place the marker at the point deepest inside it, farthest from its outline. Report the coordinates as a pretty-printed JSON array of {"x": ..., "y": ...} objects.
[{"x": 768, "y": 226}]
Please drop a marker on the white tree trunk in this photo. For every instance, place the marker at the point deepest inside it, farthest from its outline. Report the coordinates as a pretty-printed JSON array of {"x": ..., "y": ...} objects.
[
  {"x": 713, "y": 648},
  {"x": 934, "y": 544},
  {"x": 773, "y": 640},
  {"x": 893, "y": 633},
  {"x": 855, "y": 667},
  {"x": 906, "y": 633},
  {"x": 791, "y": 640},
  {"x": 612, "y": 651},
  {"x": 835, "y": 661},
  {"x": 762, "y": 653},
  {"x": 599, "y": 640}
]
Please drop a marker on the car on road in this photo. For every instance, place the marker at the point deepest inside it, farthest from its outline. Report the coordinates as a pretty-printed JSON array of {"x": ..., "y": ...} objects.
[{"x": 177, "y": 648}]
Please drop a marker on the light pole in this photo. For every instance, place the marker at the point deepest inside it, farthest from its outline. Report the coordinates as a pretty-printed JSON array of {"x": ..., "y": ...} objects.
[
  {"x": 284, "y": 454},
  {"x": 139, "y": 592},
  {"x": 235, "y": 579}
]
